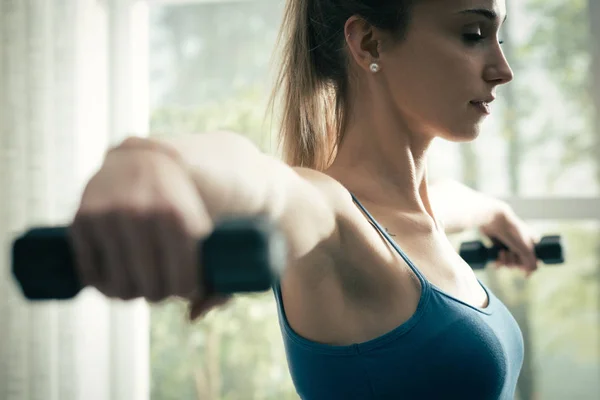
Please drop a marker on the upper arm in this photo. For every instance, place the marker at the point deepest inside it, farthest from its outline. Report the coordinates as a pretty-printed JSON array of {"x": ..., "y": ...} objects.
[
  {"x": 356, "y": 242},
  {"x": 343, "y": 270}
]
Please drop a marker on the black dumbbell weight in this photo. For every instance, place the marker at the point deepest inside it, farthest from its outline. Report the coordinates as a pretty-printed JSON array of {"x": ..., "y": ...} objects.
[
  {"x": 240, "y": 255},
  {"x": 549, "y": 250}
]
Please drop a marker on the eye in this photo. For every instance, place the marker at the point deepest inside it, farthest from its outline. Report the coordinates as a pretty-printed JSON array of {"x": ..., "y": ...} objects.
[{"x": 472, "y": 37}]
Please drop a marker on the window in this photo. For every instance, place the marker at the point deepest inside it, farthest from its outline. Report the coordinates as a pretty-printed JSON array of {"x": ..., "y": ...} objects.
[
  {"x": 558, "y": 311},
  {"x": 536, "y": 151},
  {"x": 206, "y": 74}
]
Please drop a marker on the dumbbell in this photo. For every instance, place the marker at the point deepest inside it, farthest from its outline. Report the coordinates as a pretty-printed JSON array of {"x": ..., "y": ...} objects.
[
  {"x": 549, "y": 250},
  {"x": 240, "y": 255}
]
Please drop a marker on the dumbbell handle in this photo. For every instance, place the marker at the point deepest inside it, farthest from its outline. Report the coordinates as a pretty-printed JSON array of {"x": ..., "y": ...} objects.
[{"x": 241, "y": 255}]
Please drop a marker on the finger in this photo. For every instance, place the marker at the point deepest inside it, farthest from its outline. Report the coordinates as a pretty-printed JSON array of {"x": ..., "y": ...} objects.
[
  {"x": 519, "y": 244},
  {"x": 136, "y": 255},
  {"x": 199, "y": 308},
  {"x": 86, "y": 261},
  {"x": 534, "y": 239},
  {"x": 529, "y": 260},
  {"x": 139, "y": 241},
  {"x": 178, "y": 257},
  {"x": 156, "y": 251},
  {"x": 497, "y": 263},
  {"x": 513, "y": 259},
  {"x": 509, "y": 260},
  {"x": 97, "y": 272},
  {"x": 117, "y": 280},
  {"x": 517, "y": 262},
  {"x": 501, "y": 260},
  {"x": 529, "y": 269},
  {"x": 530, "y": 241}
]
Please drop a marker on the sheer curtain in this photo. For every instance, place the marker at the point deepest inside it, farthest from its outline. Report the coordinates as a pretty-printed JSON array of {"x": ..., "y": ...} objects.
[{"x": 71, "y": 72}]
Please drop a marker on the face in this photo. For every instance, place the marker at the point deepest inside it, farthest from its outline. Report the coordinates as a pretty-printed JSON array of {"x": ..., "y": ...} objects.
[{"x": 443, "y": 75}]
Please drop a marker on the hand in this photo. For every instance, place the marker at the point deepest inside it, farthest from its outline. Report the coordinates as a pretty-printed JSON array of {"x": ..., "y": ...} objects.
[
  {"x": 503, "y": 225},
  {"x": 135, "y": 232}
]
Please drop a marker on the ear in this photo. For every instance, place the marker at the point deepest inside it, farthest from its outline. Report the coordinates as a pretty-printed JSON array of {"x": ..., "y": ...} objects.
[{"x": 363, "y": 40}]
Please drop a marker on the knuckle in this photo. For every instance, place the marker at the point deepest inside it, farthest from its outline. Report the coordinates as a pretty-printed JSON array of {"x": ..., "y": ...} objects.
[
  {"x": 154, "y": 298},
  {"x": 130, "y": 141},
  {"x": 169, "y": 215},
  {"x": 133, "y": 211},
  {"x": 106, "y": 290},
  {"x": 129, "y": 296}
]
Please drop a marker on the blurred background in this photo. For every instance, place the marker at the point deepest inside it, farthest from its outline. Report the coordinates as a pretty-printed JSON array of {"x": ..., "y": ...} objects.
[{"x": 79, "y": 75}]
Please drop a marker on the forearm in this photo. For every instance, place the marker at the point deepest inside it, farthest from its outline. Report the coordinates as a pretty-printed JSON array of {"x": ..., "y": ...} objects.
[
  {"x": 459, "y": 207},
  {"x": 235, "y": 178},
  {"x": 226, "y": 169}
]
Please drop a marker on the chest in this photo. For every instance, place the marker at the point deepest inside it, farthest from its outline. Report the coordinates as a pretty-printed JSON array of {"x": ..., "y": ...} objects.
[{"x": 438, "y": 262}]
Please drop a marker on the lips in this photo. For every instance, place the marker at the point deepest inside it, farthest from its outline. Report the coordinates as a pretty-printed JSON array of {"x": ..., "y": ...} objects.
[{"x": 483, "y": 106}]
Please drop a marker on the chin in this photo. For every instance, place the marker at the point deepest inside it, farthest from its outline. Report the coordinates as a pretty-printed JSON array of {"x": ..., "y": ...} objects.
[{"x": 463, "y": 134}]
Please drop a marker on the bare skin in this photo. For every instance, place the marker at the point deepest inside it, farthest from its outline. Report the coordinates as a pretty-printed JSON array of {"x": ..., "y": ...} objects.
[{"x": 423, "y": 91}]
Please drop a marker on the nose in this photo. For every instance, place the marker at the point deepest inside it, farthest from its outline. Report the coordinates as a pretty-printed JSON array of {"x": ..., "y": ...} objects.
[{"x": 498, "y": 71}]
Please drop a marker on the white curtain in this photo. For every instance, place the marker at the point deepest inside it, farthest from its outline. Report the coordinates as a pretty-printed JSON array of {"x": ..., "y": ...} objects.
[{"x": 72, "y": 82}]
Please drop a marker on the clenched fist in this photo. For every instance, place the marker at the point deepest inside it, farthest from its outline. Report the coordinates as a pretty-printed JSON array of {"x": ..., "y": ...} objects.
[{"x": 136, "y": 229}]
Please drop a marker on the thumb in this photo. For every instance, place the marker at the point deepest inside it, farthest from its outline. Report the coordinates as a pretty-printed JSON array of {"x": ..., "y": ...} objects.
[{"x": 200, "y": 306}]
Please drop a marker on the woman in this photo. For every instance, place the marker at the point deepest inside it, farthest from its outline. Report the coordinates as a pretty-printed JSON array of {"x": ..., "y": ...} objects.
[{"x": 374, "y": 302}]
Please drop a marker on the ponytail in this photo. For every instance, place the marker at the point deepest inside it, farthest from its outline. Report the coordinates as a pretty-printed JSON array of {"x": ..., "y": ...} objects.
[{"x": 312, "y": 84}]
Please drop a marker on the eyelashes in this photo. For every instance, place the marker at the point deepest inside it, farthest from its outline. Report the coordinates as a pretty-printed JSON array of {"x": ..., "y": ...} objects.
[{"x": 474, "y": 38}]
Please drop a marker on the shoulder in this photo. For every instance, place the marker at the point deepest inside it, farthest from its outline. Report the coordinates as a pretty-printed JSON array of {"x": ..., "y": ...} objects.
[
  {"x": 333, "y": 190},
  {"x": 360, "y": 256},
  {"x": 336, "y": 194}
]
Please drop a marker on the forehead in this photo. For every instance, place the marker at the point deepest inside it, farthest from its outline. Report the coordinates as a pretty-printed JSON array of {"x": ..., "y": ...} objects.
[{"x": 456, "y": 6}]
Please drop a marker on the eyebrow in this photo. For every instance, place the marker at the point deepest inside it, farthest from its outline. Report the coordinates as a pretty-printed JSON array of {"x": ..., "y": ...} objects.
[{"x": 489, "y": 14}]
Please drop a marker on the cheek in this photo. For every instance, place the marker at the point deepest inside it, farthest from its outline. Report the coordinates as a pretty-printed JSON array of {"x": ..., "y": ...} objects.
[
  {"x": 424, "y": 93},
  {"x": 434, "y": 87}
]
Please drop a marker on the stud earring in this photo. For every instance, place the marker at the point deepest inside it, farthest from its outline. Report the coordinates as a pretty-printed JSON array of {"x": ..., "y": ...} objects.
[{"x": 374, "y": 67}]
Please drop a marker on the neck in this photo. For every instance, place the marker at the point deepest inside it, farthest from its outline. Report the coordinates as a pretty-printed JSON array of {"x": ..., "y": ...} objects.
[{"x": 382, "y": 161}]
